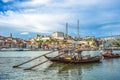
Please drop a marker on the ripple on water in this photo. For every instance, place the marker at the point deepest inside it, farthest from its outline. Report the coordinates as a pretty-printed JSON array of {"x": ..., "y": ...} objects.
[{"x": 107, "y": 70}]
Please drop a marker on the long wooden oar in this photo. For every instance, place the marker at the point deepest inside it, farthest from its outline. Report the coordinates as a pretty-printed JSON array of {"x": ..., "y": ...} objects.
[
  {"x": 32, "y": 59},
  {"x": 41, "y": 63},
  {"x": 35, "y": 65}
]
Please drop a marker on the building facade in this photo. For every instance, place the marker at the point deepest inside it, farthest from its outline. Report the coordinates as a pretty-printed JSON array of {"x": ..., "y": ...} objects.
[{"x": 58, "y": 35}]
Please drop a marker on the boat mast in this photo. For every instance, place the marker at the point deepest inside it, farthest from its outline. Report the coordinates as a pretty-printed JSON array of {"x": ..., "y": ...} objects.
[{"x": 111, "y": 39}]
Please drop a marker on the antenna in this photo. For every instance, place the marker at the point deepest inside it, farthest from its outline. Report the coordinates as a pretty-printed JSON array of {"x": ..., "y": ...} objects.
[
  {"x": 78, "y": 29},
  {"x": 111, "y": 36},
  {"x": 66, "y": 30},
  {"x": 11, "y": 35}
]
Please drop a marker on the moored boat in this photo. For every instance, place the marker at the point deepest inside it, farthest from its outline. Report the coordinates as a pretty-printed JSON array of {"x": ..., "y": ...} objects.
[
  {"x": 109, "y": 54},
  {"x": 74, "y": 57},
  {"x": 67, "y": 60}
]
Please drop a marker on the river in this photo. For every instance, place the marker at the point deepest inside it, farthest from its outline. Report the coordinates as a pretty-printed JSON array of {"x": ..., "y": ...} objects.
[{"x": 107, "y": 69}]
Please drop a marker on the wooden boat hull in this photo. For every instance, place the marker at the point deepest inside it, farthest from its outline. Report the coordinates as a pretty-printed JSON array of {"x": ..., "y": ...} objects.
[
  {"x": 62, "y": 60},
  {"x": 112, "y": 56}
]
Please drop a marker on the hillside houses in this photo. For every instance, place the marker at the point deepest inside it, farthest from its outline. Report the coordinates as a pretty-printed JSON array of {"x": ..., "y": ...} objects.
[
  {"x": 10, "y": 42},
  {"x": 56, "y": 40}
]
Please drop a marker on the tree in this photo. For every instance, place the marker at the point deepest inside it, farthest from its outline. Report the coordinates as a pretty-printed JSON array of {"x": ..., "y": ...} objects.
[
  {"x": 40, "y": 41},
  {"x": 48, "y": 42},
  {"x": 116, "y": 43}
]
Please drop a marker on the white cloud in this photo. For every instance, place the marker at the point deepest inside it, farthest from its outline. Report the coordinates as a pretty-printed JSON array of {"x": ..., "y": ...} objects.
[
  {"x": 34, "y": 22},
  {"x": 24, "y": 33},
  {"x": 5, "y": 1},
  {"x": 51, "y": 15},
  {"x": 37, "y": 2},
  {"x": 34, "y": 3},
  {"x": 111, "y": 27}
]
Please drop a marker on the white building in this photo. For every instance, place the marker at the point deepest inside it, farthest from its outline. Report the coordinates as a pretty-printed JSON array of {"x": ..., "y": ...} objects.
[
  {"x": 58, "y": 35},
  {"x": 1, "y": 43},
  {"x": 46, "y": 38}
]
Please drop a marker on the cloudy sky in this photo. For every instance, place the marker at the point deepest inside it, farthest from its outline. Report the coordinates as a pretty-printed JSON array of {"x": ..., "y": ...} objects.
[{"x": 25, "y": 18}]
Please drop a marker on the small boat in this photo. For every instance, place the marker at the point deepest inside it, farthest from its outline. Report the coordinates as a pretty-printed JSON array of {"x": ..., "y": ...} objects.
[
  {"x": 77, "y": 59},
  {"x": 109, "y": 54}
]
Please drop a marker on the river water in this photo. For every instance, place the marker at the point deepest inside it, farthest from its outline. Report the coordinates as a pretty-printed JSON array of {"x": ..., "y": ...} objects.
[{"x": 107, "y": 69}]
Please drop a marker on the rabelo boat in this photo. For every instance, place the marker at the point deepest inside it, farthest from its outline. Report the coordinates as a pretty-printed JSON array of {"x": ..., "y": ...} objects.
[{"x": 73, "y": 56}]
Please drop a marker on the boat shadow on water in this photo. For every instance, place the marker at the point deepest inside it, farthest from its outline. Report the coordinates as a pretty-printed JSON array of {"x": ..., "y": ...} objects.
[{"x": 62, "y": 67}]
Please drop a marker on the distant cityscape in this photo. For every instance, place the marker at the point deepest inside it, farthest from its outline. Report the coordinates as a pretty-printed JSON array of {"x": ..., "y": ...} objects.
[{"x": 56, "y": 40}]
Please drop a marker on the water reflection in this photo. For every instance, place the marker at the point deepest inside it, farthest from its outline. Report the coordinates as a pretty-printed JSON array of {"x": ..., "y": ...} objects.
[
  {"x": 65, "y": 67},
  {"x": 70, "y": 70},
  {"x": 107, "y": 70}
]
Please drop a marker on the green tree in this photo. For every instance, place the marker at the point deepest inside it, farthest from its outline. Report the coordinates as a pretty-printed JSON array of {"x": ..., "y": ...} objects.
[
  {"x": 40, "y": 41},
  {"x": 48, "y": 42},
  {"x": 116, "y": 43}
]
